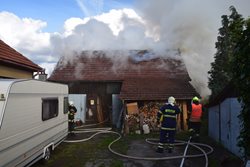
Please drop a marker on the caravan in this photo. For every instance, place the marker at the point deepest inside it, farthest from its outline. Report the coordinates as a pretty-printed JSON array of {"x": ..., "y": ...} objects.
[{"x": 33, "y": 120}]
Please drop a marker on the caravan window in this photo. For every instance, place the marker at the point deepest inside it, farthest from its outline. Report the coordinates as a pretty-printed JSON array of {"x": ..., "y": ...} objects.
[
  {"x": 65, "y": 105},
  {"x": 49, "y": 108}
]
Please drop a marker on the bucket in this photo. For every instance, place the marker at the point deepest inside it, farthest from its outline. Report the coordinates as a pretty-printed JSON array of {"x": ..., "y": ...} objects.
[{"x": 145, "y": 128}]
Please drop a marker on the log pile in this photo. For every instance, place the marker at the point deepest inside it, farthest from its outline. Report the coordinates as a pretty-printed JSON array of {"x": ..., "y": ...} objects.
[
  {"x": 146, "y": 114},
  {"x": 149, "y": 111}
]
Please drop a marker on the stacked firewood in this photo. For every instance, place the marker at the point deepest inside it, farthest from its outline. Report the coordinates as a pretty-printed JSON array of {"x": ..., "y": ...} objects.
[
  {"x": 147, "y": 114},
  {"x": 149, "y": 111}
]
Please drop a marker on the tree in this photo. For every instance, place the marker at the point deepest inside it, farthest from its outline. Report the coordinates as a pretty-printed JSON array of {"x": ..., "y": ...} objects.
[
  {"x": 241, "y": 75},
  {"x": 229, "y": 35}
]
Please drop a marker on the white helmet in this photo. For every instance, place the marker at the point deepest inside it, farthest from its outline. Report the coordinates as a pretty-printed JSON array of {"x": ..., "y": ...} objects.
[
  {"x": 71, "y": 103},
  {"x": 171, "y": 100}
]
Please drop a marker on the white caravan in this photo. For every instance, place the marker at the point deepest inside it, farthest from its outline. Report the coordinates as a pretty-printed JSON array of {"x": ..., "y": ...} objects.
[{"x": 33, "y": 120}]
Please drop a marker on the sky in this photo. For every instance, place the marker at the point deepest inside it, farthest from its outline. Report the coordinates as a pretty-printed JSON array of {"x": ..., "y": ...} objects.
[{"x": 45, "y": 30}]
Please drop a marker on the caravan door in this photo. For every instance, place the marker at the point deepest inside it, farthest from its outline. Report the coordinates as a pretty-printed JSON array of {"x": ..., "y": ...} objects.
[{"x": 80, "y": 104}]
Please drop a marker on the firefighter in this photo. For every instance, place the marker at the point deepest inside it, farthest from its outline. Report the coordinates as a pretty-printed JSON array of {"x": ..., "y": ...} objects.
[
  {"x": 195, "y": 118},
  {"x": 71, "y": 115},
  {"x": 167, "y": 116}
]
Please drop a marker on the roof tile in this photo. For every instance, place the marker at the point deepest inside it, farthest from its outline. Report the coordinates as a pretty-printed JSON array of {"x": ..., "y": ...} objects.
[{"x": 11, "y": 56}]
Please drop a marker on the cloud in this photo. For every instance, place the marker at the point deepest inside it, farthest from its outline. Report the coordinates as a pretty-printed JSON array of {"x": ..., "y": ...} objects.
[
  {"x": 115, "y": 30},
  {"x": 24, "y": 32},
  {"x": 26, "y": 36},
  {"x": 113, "y": 18}
]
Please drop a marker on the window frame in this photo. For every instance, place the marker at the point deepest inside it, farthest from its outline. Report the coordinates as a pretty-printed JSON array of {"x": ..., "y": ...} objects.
[
  {"x": 53, "y": 104},
  {"x": 65, "y": 104}
]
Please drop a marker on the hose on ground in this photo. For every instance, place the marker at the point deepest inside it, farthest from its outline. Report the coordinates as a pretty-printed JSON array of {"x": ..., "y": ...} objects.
[{"x": 98, "y": 131}]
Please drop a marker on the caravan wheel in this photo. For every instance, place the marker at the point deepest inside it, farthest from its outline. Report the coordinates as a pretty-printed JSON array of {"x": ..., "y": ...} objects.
[{"x": 47, "y": 154}]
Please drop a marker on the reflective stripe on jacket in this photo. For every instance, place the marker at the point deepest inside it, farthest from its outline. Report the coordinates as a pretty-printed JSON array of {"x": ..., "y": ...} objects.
[{"x": 167, "y": 115}]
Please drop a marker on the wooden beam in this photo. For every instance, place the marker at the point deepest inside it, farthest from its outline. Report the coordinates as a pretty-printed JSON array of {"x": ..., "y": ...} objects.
[{"x": 185, "y": 115}]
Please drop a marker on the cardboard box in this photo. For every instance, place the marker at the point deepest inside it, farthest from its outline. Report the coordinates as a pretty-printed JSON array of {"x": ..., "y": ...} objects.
[{"x": 132, "y": 108}]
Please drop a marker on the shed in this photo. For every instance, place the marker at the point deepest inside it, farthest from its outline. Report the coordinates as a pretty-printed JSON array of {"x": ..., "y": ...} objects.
[
  {"x": 223, "y": 121},
  {"x": 109, "y": 83},
  {"x": 14, "y": 65}
]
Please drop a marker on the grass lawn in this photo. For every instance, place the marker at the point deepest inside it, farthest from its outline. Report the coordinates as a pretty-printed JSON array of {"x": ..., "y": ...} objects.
[{"x": 95, "y": 153}]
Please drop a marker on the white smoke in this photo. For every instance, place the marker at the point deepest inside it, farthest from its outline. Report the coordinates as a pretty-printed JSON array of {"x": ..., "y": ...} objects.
[{"x": 191, "y": 26}]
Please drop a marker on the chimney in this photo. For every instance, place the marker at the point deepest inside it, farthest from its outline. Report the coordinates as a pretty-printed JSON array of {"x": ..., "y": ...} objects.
[{"x": 42, "y": 76}]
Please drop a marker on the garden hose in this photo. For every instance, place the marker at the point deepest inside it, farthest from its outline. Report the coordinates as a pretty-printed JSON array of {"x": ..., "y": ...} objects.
[{"x": 153, "y": 141}]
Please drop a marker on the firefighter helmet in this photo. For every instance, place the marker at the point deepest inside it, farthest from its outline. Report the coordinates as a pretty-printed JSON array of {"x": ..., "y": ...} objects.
[
  {"x": 171, "y": 100},
  {"x": 196, "y": 99},
  {"x": 71, "y": 103}
]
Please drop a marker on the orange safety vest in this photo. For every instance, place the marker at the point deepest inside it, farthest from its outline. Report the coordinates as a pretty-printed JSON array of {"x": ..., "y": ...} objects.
[{"x": 196, "y": 111}]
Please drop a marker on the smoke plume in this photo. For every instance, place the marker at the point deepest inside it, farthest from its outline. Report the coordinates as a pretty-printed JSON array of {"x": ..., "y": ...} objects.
[{"x": 162, "y": 25}]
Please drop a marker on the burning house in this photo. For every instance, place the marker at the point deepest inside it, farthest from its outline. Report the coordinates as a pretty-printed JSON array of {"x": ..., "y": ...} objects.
[{"x": 112, "y": 83}]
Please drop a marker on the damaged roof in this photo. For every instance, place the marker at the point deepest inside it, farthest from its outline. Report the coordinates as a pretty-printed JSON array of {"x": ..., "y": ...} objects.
[
  {"x": 142, "y": 77},
  {"x": 10, "y": 56}
]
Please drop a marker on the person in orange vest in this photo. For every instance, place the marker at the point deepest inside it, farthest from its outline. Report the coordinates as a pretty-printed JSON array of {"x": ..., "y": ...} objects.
[{"x": 195, "y": 117}]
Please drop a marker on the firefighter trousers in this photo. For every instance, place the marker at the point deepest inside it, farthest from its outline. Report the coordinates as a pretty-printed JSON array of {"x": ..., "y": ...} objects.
[{"x": 167, "y": 137}]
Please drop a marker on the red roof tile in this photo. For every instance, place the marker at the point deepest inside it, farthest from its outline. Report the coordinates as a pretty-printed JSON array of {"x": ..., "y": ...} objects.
[
  {"x": 156, "y": 89},
  {"x": 153, "y": 79},
  {"x": 9, "y": 55}
]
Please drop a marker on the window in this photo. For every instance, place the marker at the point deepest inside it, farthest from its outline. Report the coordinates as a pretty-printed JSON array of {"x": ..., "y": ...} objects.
[
  {"x": 65, "y": 105},
  {"x": 49, "y": 108}
]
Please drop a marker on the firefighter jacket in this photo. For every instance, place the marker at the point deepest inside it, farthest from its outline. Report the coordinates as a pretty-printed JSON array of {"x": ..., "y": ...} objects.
[
  {"x": 71, "y": 114},
  {"x": 196, "y": 112},
  {"x": 168, "y": 115}
]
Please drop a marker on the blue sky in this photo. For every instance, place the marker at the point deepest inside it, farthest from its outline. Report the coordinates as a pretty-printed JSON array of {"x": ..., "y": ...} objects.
[{"x": 55, "y": 12}]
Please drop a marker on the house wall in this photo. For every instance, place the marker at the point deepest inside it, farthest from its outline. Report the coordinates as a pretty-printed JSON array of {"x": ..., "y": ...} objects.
[
  {"x": 109, "y": 105},
  {"x": 226, "y": 128},
  {"x": 10, "y": 72}
]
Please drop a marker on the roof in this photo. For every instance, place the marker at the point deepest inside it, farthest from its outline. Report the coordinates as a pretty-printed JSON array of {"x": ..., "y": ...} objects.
[
  {"x": 156, "y": 89},
  {"x": 10, "y": 56},
  {"x": 155, "y": 78}
]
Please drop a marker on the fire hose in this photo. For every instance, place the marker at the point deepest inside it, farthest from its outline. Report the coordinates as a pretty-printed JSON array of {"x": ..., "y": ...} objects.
[{"x": 98, "y": 131}]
